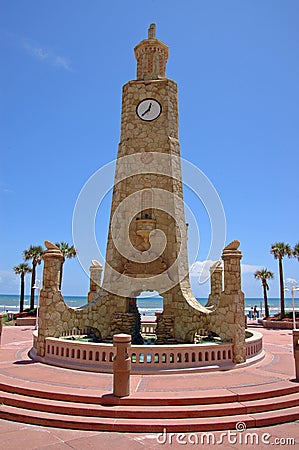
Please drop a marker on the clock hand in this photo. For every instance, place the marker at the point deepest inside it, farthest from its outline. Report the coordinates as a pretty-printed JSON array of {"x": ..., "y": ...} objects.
[{"x": 147, "y": 110}]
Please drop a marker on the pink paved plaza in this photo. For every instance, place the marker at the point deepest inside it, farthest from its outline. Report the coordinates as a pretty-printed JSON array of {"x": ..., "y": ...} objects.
[{"x": 273, "y": 374}]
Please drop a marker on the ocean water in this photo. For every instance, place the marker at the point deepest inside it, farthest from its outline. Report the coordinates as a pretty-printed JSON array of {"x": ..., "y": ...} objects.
[{"x": 147, "y": 305}]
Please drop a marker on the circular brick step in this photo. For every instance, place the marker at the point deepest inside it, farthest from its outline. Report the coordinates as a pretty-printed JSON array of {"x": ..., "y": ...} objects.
[
  {"x": 133, "y": 414},
  {"x": 263, "y": 395},
  {"x": 148, "y": 425},
  {"x": 146, "y": 411}
]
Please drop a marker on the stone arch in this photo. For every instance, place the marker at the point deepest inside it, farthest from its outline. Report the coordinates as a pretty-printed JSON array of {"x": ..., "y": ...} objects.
[{"x": 94, "y": 334}]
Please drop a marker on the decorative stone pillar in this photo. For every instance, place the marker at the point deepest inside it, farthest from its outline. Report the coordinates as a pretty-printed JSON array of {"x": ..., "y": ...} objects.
[
  {"x": 216, "y": 284},
  {"x": 128, "y": 323},
  {"x": 232, "y": 268},
  {"x": 121, "y": 365},
  {"x": 296, "y": 352},
  {"x": 50, "y": 292},
  {"x": 164, "y": 328},
  {"x": 232, "y": 299},
  {"x": 96, "y": 270}
]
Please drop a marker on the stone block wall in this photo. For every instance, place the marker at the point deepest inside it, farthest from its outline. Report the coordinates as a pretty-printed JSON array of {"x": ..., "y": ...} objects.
[
  {"x": 225, "y": 313},
  {"x": 181, "y": 319},
  {"x": 55, "y": 317}
]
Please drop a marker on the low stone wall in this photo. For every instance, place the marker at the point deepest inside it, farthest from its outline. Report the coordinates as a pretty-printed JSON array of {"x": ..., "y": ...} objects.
[
  {"x": 279, "y": 324},
  {"x": 254, "y": 344},
  {"x": 28, "y": 321},
  {"x": 98, "y": 357},
  {"x": 182, "y": 316}
]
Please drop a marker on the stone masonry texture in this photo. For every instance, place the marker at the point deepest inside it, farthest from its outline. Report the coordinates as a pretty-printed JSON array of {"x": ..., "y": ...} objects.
[{"x": 147, "y": 238}]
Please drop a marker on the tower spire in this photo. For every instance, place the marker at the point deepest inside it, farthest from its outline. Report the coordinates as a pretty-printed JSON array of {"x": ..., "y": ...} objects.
[
  {"x": 152, "y": 31},
  {"x": 151, "y": 55}
]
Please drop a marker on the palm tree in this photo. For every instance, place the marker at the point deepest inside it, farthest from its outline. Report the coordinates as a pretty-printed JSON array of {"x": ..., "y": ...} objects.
[
  {"x": 279, "y": 250},
  {"x": 264, "y": 275},
  {"x": 34, "y": 253},
  {"x": 68, "y": 251},
  {"x": 21, "y": 270},
  {"x": 296, "y": 251}
]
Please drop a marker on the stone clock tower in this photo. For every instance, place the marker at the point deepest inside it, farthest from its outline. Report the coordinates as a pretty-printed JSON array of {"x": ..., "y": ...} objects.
[
  {"x": 147, "y": 242},
  {"x": 147, "y": 239}
]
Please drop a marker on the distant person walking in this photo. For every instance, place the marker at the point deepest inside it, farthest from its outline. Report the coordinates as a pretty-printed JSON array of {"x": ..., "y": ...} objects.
[{"x": 255, "y": 312}]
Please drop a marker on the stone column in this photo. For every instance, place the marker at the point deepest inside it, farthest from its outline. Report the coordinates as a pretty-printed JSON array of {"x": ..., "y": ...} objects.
[
  {"x": 121, "y": 365},
  {"x": 296, "y": 352},
  {"x": 216, "y": 284},
  {"x": 233, "y": 300},
  {"x": 127, "y": 323},
  {"x": 232, "y": 268},
  {"x": 50, "y": 292},
  {"x": 96, "y": 270},
  {"x": 164, "y": 328}
]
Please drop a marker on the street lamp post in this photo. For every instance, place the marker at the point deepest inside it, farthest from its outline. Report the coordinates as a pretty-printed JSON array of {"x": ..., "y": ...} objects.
[
  {"x": 294, "y": 287},
  {"x": 37, "y": 286}
]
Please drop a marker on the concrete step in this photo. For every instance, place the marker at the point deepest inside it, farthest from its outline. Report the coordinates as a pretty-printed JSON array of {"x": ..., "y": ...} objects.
[
  {"x": 254, "y": 407},
  {"x": 157, "y": 425},
  {"x": 147, "y": 411},
  {"x": 200, "y": 397}
]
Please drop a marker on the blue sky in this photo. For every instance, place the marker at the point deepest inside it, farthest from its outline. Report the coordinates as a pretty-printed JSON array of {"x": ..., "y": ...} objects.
[{"x": 237, "y": 68}]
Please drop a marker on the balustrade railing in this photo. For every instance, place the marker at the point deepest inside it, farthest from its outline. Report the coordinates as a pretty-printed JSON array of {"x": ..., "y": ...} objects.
[{"x": 145, "y": 358}]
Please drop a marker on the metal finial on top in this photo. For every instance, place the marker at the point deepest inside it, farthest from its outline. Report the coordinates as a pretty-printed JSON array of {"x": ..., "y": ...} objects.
[{"x": 152, "y": 31}]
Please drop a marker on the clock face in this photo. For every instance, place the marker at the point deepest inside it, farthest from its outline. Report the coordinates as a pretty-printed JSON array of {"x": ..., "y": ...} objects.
[{"x": 148, "y": 109}]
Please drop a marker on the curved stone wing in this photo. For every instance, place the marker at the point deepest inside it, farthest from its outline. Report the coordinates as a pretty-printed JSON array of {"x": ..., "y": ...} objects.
[
  {"x": 94, "y": 262},
  {"x": 50, "y": 246},
  {"x": 234, "y": 245}
]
